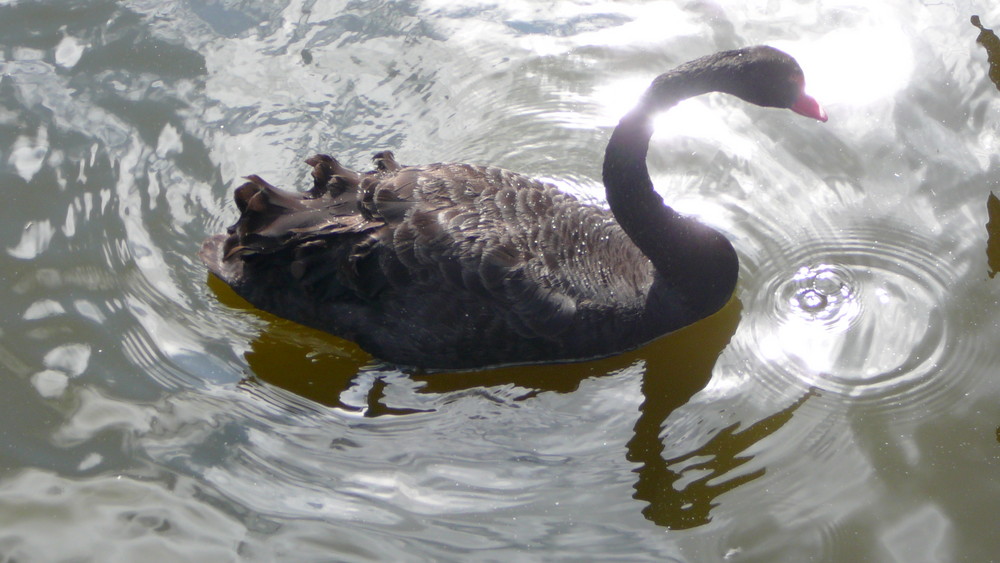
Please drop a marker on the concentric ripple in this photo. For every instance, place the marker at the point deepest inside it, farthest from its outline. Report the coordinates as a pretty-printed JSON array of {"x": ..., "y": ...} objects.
[{"x": 860, "y": 313}]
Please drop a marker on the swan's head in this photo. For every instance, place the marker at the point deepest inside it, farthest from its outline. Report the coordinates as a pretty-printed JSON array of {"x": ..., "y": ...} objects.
[
  {"x": 760, "y": 75},
  {"x": 764, "y": 76}
]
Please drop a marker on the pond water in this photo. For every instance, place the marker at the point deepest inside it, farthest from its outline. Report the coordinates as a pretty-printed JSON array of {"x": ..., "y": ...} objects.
[{"x": 845, "y": 406}]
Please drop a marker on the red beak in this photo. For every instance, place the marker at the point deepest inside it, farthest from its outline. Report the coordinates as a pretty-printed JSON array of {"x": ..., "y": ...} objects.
[{"x": 808, "y": 106}]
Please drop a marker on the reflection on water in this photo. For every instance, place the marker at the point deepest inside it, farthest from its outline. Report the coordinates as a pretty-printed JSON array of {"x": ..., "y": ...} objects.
[
  {"x": 989, "y": 40},
  {"x": 844, "y": 408},
  {"x": 307, "y": 362},
  {"x": 993, "y": 234},
  {"x": 681, "y": 490}
]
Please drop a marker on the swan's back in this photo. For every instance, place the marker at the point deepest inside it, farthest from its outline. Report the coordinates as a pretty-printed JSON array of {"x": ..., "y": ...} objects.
[{"x": 444, "y": 265}]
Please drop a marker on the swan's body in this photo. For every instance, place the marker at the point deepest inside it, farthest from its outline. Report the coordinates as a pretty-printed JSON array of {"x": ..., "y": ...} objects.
[{"x": 457, "y": 266}]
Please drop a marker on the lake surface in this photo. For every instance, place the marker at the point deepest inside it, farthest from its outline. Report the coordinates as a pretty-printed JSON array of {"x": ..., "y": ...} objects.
[{"x": 845, "y": 406}]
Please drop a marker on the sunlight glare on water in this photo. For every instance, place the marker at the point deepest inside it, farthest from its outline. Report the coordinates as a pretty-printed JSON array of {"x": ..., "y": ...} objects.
[
  {"x": 843, "y": 407},
  {"x": 857, "y": 66}
]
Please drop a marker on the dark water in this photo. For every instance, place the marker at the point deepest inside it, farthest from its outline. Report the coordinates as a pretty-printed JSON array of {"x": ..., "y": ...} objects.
[{"x": 845, "y": 407}]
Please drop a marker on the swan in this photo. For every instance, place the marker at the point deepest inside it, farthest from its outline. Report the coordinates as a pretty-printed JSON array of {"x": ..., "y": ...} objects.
[{"x": 457, "y": 266}]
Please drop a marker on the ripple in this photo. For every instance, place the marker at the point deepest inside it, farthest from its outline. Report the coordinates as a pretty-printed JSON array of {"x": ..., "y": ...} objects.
[
  {"x": 822, "y": 293},
  {"x": 860, "y": 314}
]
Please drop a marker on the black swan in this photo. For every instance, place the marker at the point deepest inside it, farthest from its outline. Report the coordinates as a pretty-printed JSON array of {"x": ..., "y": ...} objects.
[{"x": 450, "y": 266}]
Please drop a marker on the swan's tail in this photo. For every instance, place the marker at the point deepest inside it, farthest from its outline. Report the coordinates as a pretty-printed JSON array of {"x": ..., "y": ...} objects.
[{"x": 291, "y": 228}]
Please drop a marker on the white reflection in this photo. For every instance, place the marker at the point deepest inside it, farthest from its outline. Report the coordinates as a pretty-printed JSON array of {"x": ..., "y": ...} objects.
[
  {"x": 35, "y": 239},
  {"x": 922, "y": 535},
  {"x": 43, "y": 309},
  {"x": 809, "y": 342},
  {"x": 69, "y": 51},
  {"x": 651, "y": 23},
  {"x": 855, "y": 66},
  {"x": 614, "y": 99},
  {"x": 50, "y": 383},
  {"x": 28, "y": 154},
  {"x": 169, "y": 142},
  {"x": 70, "y": 358}
]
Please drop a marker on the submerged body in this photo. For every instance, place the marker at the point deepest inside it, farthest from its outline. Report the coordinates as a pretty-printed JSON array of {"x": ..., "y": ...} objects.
[{"x": 459, "y": 266}]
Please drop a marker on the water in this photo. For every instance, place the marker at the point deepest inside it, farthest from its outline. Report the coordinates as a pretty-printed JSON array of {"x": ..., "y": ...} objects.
[{"x": 843, "y": 408}]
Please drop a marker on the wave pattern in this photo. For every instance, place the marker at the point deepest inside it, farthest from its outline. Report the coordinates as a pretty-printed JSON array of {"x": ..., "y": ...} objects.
[{"x": 865, "y": 315}]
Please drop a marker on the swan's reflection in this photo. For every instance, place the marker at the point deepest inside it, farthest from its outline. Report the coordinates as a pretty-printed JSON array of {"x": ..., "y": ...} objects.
[{"x": 676, "y": 367}]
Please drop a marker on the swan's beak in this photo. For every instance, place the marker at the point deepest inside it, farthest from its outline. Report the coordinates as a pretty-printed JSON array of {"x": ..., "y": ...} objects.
[{"x": 808, "y": 106}]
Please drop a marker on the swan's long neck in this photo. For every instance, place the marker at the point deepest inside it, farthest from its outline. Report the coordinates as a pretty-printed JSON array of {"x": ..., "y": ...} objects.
[{"x": 691, "y": 259}]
